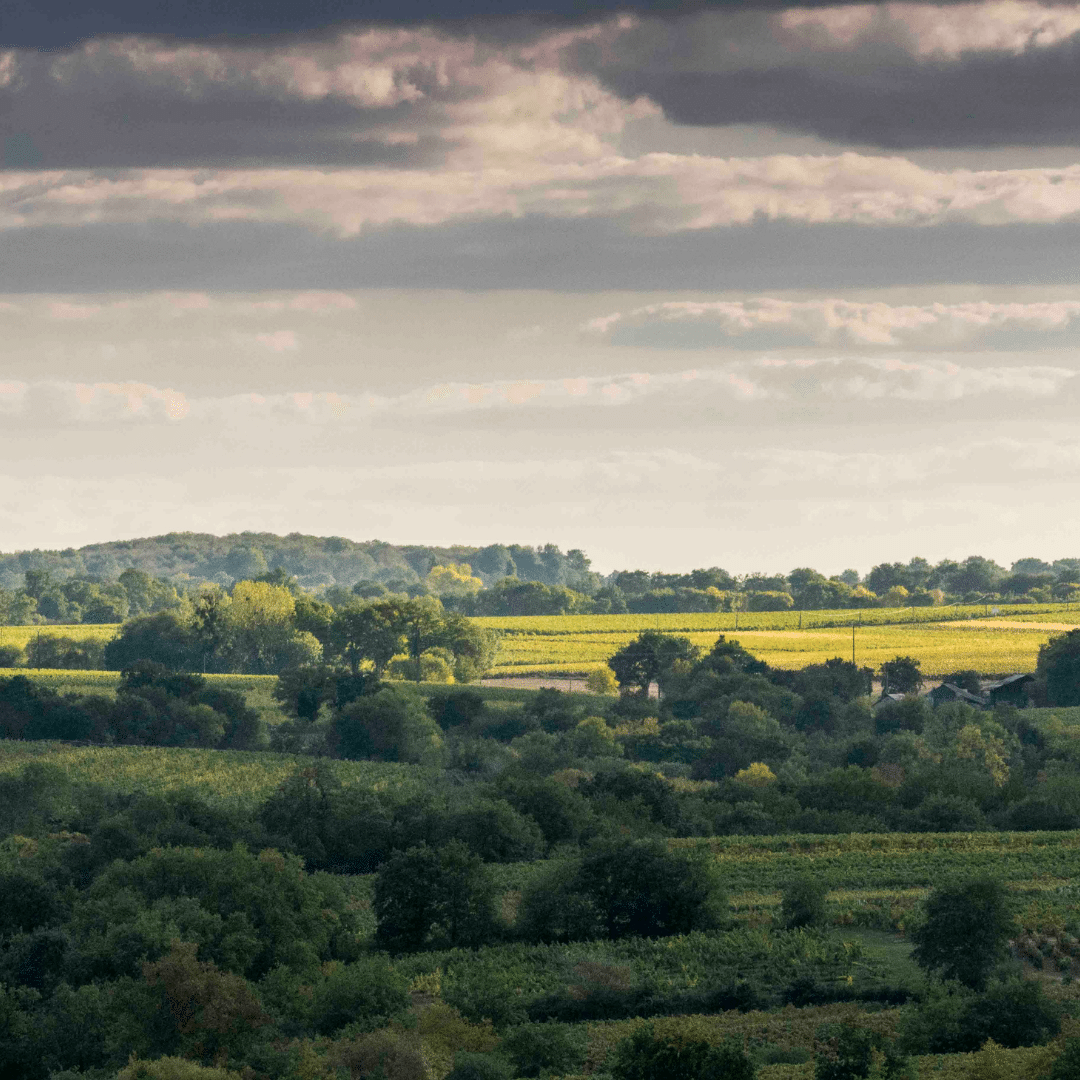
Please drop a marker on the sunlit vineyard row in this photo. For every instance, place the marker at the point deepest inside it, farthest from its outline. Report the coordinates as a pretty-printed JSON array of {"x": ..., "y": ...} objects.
[
  {"x": 989, "y": 646},
  {"x": 742, "y": 621},
  {"x": 576, "y": 644}
]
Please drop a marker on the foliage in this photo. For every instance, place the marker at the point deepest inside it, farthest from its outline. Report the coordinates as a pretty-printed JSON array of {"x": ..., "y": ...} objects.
[
  {"x": 389, "y": 725},
  {"x": 433, "y": 898},
  {"x": 803, "y": 902},
  {"x": 651, "y": 658},
  {"x": 966, "y": 924},
  {"x": 851, "y": 1053},
  {"x": 644, "y": 1056},
  {"x": 901, "y": 675},
  {"x": 1059, "y": 668}
]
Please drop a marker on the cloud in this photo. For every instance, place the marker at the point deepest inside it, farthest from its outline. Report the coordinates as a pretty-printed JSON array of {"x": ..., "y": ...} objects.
[
  {"x": 650, "y": 195},
  {"x": 891, "y": 75},
  {"x": 92, "y": 403},
  {"x": 532, "y": 252},
  {"x": 805, "y": 383},
  {"x": 765, "y": 322},
  {"x": 366, "y": 97}
]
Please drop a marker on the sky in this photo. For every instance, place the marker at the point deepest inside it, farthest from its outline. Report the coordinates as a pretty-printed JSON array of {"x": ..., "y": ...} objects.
[{"x": 746, "y": 285}]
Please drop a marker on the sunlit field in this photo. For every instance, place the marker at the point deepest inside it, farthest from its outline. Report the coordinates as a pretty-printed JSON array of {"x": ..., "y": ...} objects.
[{"x": 997, "y": 645}]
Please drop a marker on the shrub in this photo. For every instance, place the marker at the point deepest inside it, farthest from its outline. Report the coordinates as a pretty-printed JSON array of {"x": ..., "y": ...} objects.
[
  {"x": 10, "y": 655},
  {"x": 452, "y": 708},
  {"x": 365, "y": 995},
  {"x": 644, "y": 1056},
  {"x": 602, "y": 681},
  {"x": 472, "y": 1066},
  {"x": 537, "y": 1048},
  {"x": 851, "y": 1053},
  {"x": 621, "y": 889},
  {"x": 803, "y": 902}
]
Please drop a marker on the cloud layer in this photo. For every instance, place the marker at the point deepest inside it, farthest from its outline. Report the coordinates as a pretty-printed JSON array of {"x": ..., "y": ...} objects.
[{"x": 770, "y": 322}]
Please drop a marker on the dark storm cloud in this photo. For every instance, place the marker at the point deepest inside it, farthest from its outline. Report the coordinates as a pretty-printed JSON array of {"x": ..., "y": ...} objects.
[
  {"x": 982, "y": 101},
  {"x": 50, "y": 24},
  {"x": 532, "y": 252}
]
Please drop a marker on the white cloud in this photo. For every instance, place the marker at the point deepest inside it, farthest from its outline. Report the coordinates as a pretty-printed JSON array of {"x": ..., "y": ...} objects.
[
  {"x": 769, "y": 378},
  {"x": 831, "y": 321},
  {"x": 933, "y": 31},
  {"x": 655, "y": 193}
]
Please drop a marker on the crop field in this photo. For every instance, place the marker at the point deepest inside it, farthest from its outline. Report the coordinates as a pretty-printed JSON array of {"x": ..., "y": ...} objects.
[
  {"x": 992, "y": 640},
  {"x": 20, "y": 635},
  {"x": 998, "y": 645},
  {"x": 238, "y": 777}
]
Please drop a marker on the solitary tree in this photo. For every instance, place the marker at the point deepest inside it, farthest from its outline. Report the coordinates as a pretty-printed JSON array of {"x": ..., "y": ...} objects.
[
  {"x": 648, "y": 659},
  {"x": 901, "y": 675},
  {"x": 966, "y": 925}
]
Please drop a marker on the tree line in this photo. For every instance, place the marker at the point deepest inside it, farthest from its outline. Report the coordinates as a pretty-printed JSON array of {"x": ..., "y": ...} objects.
[{"x": 167, "y": 573}]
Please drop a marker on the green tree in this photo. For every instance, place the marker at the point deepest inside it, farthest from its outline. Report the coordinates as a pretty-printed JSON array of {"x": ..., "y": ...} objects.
[
  {"x": 431, "y": 898},
  {"x": 165, "y": 638},
  {"x": 1058, "y": 668},
  {"x": 373, "y": 632},
  {"x": 390, "y": 725},
  {"x": 965, "y": 926},
  {"x": 651, "y": 657},
  {"x": 851, "y": 1053},
  {"x": 901, "y": 675},
  {"x": 644, "y": 889}
]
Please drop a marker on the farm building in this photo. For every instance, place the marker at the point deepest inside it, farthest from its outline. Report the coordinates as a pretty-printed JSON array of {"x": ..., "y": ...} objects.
[
  {"x": 947, "y": 692},
  {"x": 1013, "y": 690},
  {"x": 888, "y": 699}
]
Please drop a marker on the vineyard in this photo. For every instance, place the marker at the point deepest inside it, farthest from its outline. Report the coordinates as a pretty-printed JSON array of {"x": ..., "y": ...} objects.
[
  {"x": 571, "y": 644},
  {"x": 994, "y": 640},
  {"x": 237, "y": 777}
]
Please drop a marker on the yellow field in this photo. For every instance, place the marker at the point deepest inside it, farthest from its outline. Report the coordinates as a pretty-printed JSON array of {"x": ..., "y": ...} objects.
[
  {"x": 20, "y": 635},
  {"x": 944, "y": 639},
  {"x": 991, "y": 646}
]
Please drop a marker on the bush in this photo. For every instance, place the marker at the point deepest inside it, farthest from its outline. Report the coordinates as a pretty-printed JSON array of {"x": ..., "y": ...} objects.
[
  {"x": 602, "y": 681},
  {"x": 803, "y": 902},
  {"x": 851, "y": 1053},
  {"x": 364, "y": 995},
  {"x": 452, "y": 708},
  {"x": 10, "y": 656},
  {"x": 54, "y": 651},
  {"x": 621, "y": 889},
  {"x": 472, "y": 1066},
  {"x": 1067, "y": 1064},
  {"x": 644, "y": 1056},
  {"x": 537, "y": 1048},
  {"x": 495, "y": 831},
  {"x": 955, "y": 1020}
]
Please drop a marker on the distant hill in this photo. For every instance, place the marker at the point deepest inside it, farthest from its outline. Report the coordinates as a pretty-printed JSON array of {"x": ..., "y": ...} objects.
[{"x": 314, "y": 560}]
